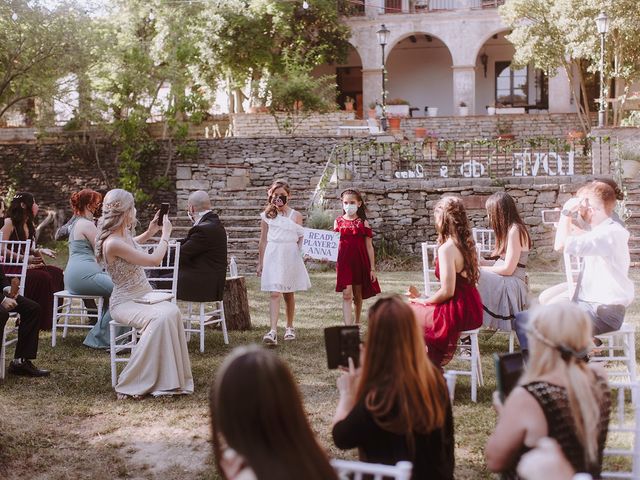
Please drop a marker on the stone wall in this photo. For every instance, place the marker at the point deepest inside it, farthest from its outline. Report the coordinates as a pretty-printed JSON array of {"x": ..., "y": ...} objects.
[
  {"x": 486, "y": 126},
  {"x": 253, "y": 125},
  {"x": 401, "y": 212}
]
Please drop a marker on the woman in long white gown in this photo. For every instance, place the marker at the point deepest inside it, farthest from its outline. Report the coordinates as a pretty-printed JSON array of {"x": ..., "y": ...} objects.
[{"x": 159, "y": 365}]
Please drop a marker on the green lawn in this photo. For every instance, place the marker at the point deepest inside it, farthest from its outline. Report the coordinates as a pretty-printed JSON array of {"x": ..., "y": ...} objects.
[{"x": 71, "y": 426}]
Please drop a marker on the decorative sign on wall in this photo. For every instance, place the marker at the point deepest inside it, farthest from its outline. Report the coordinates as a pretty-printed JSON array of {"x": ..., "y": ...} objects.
[{"x": 320, "y": 244}]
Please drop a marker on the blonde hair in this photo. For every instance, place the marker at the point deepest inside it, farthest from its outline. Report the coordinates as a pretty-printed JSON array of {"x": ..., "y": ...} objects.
[
  {"x": 117, "y": 208},
  {"x": 560, "y": 337}
]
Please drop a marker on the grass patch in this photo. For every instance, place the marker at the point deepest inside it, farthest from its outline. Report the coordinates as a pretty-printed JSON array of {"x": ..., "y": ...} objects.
[{"x": 71, "y": 426}]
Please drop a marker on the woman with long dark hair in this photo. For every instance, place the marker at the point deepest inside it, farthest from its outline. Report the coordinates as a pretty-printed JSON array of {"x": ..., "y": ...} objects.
[
  {"x": 42, "y": 280},
  {"x": 502, "y": 285},
  {"x": 456, "y": 305},
  {"x": 396, "y": 407},
  {"x": 259, "y": 426}
]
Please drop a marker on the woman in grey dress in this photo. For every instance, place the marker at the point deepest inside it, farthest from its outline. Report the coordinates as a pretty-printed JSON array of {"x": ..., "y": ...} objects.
[
  {"x": 502, "y": 285},
  {"x": 83, "y": 275}
]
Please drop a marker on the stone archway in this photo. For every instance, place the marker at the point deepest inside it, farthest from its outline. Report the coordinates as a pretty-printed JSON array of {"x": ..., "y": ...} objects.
[{"x": 419, "y": 71}]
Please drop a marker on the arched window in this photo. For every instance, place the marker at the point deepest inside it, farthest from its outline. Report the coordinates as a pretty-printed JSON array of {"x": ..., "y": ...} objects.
[{"x": 512, "y": 87}]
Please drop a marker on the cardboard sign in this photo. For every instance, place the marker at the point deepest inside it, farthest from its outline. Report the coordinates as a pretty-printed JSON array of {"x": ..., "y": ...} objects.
[{"x": 320, "y": 244}]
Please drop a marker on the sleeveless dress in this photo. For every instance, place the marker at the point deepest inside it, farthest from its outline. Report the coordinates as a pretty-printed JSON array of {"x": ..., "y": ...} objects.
[
  {"x": 42, "y": 282},
  {"x": 554, "y": 401},
  {"x": 353, "y": 266},
  {"x": 503, "y": 295},
  {"x": 159, "y": 364},
  {"x": 444, "y": 321},
  {"x": 83, "y": 276},
  {"x": 283, "y": 269}
]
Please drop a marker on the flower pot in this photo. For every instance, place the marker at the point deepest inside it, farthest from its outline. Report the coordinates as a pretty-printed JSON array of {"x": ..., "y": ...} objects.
[
  {"x": 394, "y": 123},
  {"x": 463, "y": 111},
  {"x": 297, "y": 105},
  {"x": 372, "y": 113},
  {"x": 575, "y": 135},
  {"x": 397, "y": 110},
  {"x": 348, "y": 106},
  {"x": 491, "y": 110},
  {"x": 421, "y": 133},
  {"x": 432, "y": 111},
  {"x": 506, "y": 136},
  {"x": 630, "y": 168}
]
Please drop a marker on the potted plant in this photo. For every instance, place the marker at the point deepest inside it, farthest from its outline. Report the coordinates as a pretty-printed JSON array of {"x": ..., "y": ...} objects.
[
  {"x": 504, "y": 130},
  {"x": 575, "y": 135},
  {"x": 348, "y": 104},
  {"x": 398, "y": 107},
  {"x": 421, "y": 133},
  {"x": 463, "y": 109},
  {"x": 394, "y": 122},
  {"x": 432, "y": 111},
  {"x": 491, "y": 109},
  {"x": 372, "y": 109}
]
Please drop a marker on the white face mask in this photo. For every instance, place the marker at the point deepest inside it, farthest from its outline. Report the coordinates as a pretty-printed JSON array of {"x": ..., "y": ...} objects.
[{"x": 350, "y": 208}]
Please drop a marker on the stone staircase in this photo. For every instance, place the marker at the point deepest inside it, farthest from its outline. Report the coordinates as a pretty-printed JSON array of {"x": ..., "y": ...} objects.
[
  {"x": 239, "y": 211},
  {"x": 633, "y": 222}
]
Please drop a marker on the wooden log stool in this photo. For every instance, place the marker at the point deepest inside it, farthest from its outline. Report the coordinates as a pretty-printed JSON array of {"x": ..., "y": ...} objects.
[{"x": 236, "y": 304}]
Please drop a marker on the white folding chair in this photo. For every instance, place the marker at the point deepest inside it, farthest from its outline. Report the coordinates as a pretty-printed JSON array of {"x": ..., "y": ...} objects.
[
  {"x": 203, "y": 316},
  {"x": 351, "y": 470},
  {"x": 127, "y": 341},
  {"x": 429, "y": 254},
  {"x": 485, "y": 239},
  {"x": 14, "y": 255},
  {"x": 623, "y": 439},
  {"x": 68, "y": 306},
  {"x": 618, "y": 346}
]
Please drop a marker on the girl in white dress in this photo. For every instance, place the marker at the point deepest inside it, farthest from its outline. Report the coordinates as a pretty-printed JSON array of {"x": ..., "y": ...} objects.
[
  {"x": 280, "y": 261},
  {"x": 159, "y": 364}
]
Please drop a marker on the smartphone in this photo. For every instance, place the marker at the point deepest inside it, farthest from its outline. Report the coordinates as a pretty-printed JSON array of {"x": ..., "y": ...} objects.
[
  {"x": 509, "y": 367},
  {"x": 15, "y": 287},
  {"x": 164, "y": 210},
  {"x": 342, "y": 342},
  {"x": 550, "y": 216}
]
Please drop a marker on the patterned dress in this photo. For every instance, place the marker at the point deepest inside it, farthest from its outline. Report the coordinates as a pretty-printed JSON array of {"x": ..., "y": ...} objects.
[{"x": 353, "y": 266}]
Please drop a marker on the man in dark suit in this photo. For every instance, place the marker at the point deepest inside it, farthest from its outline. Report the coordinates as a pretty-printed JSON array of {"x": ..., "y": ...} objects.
[
  {"x": 27, "y": 345},
  {"x": 203, "y": 253}
]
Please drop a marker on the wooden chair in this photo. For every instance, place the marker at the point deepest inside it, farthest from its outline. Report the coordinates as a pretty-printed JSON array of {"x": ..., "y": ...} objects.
[{"x": 623, "y": 438}]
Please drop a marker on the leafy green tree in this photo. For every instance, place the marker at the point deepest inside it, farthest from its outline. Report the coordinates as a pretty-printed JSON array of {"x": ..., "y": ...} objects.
[{"x": 38, "y": 47}]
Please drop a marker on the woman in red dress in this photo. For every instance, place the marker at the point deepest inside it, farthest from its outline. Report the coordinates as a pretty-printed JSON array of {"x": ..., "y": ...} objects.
[
  {"x": 456, "y": 306},
  {"x": 356, "y": 274},
  {"x": 42, "y": 280}
]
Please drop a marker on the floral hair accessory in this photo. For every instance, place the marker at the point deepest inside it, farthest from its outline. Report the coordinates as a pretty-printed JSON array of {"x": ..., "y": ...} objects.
[{"x": 110, "y": 206}]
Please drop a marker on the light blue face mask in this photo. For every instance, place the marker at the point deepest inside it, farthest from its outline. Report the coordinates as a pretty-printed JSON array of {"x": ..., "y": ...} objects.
[{"x": 350, "y": 209}]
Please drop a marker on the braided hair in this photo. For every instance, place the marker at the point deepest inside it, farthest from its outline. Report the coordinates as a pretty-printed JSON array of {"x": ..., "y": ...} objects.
[
  {"x": 452, "y": 222},
  {"x": 117, "y": 209}
]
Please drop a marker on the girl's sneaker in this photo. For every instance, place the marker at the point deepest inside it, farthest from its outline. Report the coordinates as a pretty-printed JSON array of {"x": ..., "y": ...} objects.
[
  {"x": 271, "y": 338},
  {"x": 289, "y": 334}
]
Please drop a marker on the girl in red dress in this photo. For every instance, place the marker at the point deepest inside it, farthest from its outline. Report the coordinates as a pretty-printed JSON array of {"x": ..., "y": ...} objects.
[
  {"x": 456, "y": 306},
  {"x": 356, "y": 277}
]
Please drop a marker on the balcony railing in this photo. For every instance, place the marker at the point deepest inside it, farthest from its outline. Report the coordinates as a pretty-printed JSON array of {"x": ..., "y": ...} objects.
[{"x": 357, "y": 7}]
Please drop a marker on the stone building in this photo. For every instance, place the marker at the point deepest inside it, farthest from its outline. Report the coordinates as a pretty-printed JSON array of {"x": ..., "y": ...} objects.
[{"x": 442, "y": 53}]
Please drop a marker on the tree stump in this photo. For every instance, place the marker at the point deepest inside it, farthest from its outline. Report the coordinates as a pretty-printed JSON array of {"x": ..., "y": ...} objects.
[{"x": 236, "y": 304}]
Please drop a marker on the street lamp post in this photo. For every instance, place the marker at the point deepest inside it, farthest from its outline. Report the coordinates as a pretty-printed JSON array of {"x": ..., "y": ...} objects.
[
  {"x": 602, "y": 22},
  {"x": 383, "y": 38}
]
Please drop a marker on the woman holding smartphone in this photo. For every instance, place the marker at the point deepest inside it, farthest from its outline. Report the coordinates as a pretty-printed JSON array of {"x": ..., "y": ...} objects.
[{"x": 560, "y": 396}]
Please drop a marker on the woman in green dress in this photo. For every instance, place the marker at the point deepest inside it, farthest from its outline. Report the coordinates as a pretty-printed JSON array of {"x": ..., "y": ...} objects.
[{"x": 83, "y": 275}]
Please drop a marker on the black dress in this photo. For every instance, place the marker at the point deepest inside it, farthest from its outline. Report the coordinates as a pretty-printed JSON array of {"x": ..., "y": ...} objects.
[
  {"x": 554, "y": 402},
  {"x": 434, "y": 452}
]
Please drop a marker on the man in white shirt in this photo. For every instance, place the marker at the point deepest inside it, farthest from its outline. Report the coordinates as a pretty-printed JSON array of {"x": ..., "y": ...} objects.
[{"x": 603, "y": 288}]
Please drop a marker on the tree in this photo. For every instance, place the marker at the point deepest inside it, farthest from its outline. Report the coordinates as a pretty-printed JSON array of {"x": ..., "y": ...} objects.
[
  {"x": 38, "y": 47},
  {"x": 556, "y": 34}
]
